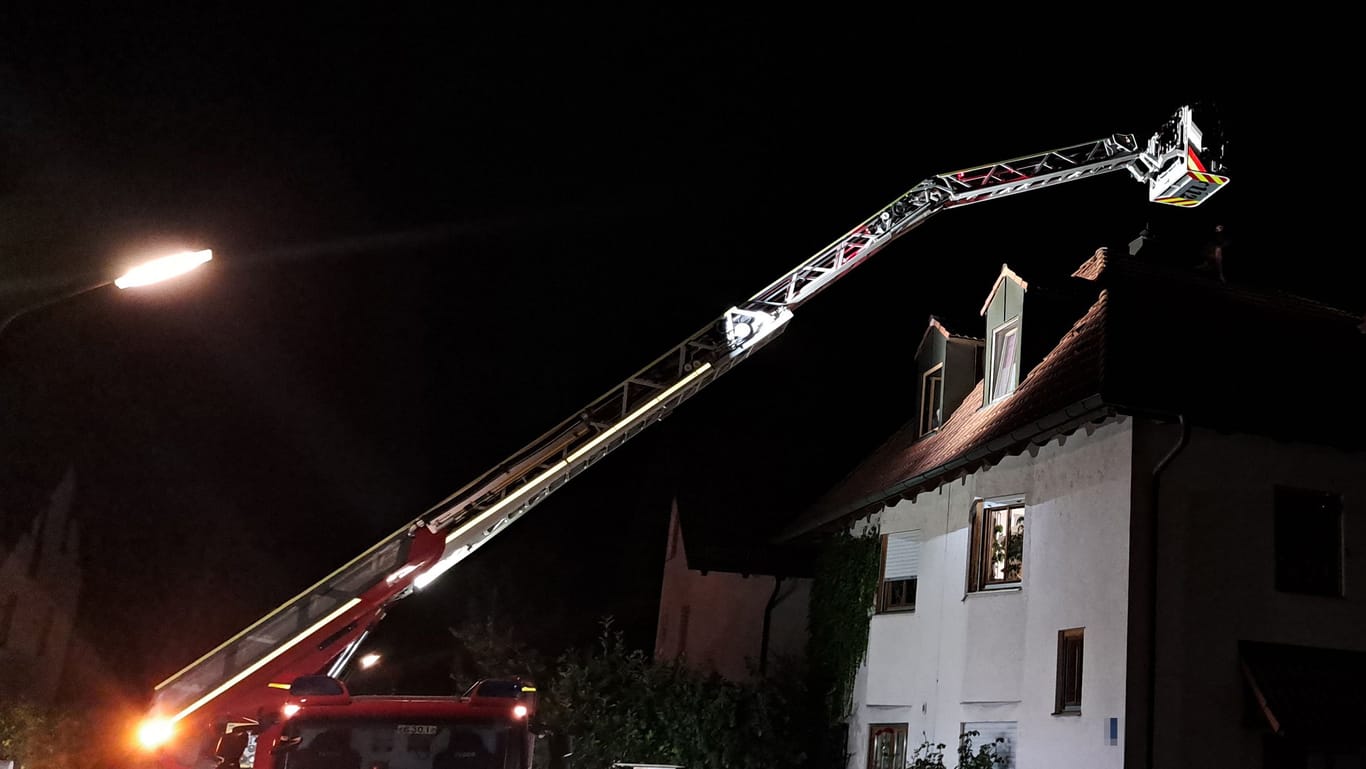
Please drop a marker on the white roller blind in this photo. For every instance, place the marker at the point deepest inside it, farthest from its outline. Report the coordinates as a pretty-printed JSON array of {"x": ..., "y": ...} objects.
[
  {"x": 990, "y": 731},
  {"x": 903, "y": 555}
]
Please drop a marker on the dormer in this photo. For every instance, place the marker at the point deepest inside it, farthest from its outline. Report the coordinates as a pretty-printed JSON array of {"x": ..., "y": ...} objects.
[
  {"x": 1003, "y": 312},
  {"x": 948, "y": 366}
]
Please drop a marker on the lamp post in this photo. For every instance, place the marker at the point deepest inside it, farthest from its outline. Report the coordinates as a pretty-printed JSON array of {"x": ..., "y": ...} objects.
[{"x": 144, "y": 274}]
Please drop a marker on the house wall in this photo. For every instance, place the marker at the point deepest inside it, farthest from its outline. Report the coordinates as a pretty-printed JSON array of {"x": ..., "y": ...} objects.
[
  {"x": 34, "y": 646},
  {"x": 991, "y": 657},
  {"x": 1216, "y": 582},
  {"x": 724, "y": 612}
]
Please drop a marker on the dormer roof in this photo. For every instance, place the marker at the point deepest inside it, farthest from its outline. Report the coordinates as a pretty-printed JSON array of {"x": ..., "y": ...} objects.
[
  {"x": 938, "y": 326},
  {"x": 1006, "y": 272}
]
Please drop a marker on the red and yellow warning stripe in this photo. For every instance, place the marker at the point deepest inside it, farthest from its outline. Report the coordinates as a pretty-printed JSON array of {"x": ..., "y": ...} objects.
[{"x": 1198, "y": 171}]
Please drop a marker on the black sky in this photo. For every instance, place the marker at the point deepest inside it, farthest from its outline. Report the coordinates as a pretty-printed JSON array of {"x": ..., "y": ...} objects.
[{"x": 437, "y": 235}]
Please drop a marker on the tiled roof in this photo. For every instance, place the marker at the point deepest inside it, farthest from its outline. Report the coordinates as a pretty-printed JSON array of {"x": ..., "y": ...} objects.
[{"x": 1154, "y": 341}]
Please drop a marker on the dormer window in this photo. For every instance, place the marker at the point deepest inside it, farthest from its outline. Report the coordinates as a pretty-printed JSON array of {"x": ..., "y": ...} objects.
[
  {"x": 932, "y": 399},
  {"x": 1005, "y": 358},
  {"x": 949, "y": 366},
  {"x": 1002, "y": 312}
]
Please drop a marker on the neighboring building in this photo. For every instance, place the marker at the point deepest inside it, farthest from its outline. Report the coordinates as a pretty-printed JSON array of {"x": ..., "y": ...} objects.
[
  {"x": 1133, "y": 543},
  {"x": 40, "y": 582},
  {"x": 720, "y": 617}
]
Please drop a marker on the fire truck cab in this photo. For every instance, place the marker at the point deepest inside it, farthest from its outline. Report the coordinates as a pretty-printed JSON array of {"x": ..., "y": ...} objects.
[{"x": 323, "y": 726}]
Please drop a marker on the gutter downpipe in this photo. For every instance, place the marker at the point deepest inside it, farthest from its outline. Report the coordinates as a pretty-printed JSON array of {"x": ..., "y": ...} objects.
[
  {"x": 1150, "y": 730},
  {"x": 768, "y": 621}
]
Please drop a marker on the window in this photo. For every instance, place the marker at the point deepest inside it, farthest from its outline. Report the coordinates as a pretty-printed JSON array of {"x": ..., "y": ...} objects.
[
  {"x": 932, "y": 399},
  {"x": 996, "y": 737},
  {"x": 887, "y": 746},
  {"x": 997, "y": 556},
  {"x": 1068, "y": 697},
  {"x": 1308, "y": 541},
  {"x": 900, "y": 567},
  {"x": 1005, "y": 357}
]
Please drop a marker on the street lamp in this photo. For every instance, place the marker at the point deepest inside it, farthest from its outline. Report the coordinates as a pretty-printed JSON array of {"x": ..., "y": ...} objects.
[{"x": 144, "y": 274}]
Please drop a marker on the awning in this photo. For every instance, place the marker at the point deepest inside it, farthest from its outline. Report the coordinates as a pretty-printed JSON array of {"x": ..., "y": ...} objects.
[{"x": 1305, "y": 691}]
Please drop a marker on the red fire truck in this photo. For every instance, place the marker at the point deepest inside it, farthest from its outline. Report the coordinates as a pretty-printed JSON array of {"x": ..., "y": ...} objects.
[{"x": 323, "y": 726}]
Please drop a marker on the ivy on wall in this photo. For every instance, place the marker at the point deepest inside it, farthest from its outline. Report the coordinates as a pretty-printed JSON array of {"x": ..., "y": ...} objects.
[{"x": 841, "y": 604}]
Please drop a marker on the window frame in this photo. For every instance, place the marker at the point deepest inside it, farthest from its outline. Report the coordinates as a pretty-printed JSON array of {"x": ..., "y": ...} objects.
[
  {"x": 885, "y": 587},
  {"x": 1010, "y": 326},
  {"x": 1067, "y": 696},
  {"x": 980, "y": 558},
  {"x": 937, "y": 406}
]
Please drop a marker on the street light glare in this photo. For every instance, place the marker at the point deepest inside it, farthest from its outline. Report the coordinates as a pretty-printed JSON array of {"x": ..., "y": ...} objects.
[
  {"x": 155, "y": 732},
  {"x": 158, "y": 270},
  {"x": 369, "y": 660}
]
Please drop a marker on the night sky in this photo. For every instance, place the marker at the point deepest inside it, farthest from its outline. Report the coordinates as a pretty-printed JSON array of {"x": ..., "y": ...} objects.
[{"x": 437, "y": 235}]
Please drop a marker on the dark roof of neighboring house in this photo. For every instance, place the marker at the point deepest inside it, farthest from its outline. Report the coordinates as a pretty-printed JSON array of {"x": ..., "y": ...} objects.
[
  {"x": 787, "y": 560},
  {"x": 1153, "y": 341}
]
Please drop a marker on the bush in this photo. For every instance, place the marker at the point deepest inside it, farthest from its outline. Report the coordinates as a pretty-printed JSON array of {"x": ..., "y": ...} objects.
[
  {"x": 615, "y": 704},
  {"x": 931, "y": 755},
  {"x": 33, "y": 736}
]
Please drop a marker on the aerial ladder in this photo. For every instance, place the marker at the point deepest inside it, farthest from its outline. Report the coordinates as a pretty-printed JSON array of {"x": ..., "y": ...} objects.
[{"x": 318, "y": 631}]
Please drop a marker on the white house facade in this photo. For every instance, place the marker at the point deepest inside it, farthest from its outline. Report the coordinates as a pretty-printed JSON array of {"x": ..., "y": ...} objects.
[{"x": 984, "y": 659}]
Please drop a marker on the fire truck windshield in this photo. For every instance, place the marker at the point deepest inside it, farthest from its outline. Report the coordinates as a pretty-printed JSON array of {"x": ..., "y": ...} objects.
[{"x": 331, "y": 743}]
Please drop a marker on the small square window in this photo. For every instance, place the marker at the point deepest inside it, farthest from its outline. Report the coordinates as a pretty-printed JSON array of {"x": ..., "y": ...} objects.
[
  {"x": 900, "y": 570},
  {"x": 1068, "y": 696},
  {"x": 1308, "y": 529}
]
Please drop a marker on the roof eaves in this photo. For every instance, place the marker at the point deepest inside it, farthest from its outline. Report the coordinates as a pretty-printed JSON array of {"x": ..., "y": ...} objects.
[{"x": 1066, "y": 420}]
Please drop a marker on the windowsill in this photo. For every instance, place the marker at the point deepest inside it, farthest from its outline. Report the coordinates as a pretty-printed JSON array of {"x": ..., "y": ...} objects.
[
  {"x": 1007, "y": 589},
  {"x": 1066, "y": 713},
  {"x": 894, "y": 612}
]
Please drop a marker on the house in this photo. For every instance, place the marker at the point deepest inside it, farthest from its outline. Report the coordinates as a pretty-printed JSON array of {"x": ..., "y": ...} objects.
[
  {"x": 40, "y": 582},
  {"x": 1134, "y": 541},
  {"x": 731, "y": 610}
]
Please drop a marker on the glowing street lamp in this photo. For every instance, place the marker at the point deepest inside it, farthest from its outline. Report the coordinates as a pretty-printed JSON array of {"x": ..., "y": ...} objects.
[
  {"x": 370, "y": 660},
  {"x": 164, "y": 268},
  {"x": 145, "y": 274}
]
